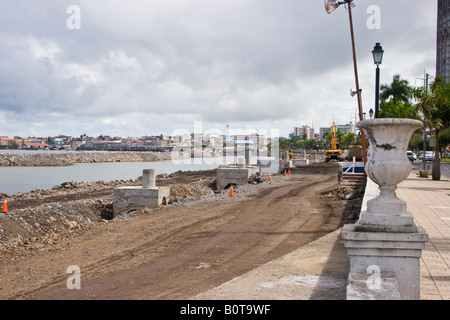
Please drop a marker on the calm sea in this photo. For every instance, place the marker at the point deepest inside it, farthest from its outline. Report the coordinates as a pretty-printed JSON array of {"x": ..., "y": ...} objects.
[{"x": 25, "y": 179}]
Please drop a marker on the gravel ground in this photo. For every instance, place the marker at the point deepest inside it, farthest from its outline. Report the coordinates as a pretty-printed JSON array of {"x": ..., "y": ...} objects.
[{"x": 46, "y": 230}]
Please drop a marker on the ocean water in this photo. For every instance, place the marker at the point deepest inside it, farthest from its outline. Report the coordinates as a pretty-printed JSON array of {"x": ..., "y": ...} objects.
[{"x": 25, "y": 179}]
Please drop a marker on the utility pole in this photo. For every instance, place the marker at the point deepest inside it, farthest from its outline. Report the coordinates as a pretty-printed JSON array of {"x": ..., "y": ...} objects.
[{"x": 358, "y": 91}]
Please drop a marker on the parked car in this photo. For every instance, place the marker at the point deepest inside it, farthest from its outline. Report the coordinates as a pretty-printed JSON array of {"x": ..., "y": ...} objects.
[
  {"x": 446, "y": 155},
  {"x": 429, "y": 155},
  {"x": 411, "y": 156}
]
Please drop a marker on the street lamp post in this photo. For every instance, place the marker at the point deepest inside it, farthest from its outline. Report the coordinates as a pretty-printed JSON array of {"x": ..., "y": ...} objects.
[{"x": 377, "y": 59}]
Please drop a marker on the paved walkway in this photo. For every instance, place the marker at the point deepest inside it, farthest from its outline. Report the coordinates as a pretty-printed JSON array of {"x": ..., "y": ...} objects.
[{"x": 429, "y": 203}]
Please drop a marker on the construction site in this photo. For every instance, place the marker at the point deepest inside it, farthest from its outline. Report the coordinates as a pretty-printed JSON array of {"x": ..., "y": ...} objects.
[{"x": 205, "y": 232}]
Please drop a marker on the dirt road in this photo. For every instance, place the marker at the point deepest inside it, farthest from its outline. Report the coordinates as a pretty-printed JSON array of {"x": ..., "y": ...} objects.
[{"x": 179, "y": 251}]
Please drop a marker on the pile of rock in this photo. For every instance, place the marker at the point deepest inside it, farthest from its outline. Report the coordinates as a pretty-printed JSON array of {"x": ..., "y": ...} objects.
[
  {"x": 40, "y": 227},
  {"x": 45, "y": 224},
  {"x": 182, "y": 192},
  {"x": 70, "y": 158}
]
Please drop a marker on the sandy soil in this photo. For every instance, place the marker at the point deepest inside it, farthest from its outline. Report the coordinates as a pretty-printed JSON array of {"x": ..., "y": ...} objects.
[{"x": 182, "y": 249}]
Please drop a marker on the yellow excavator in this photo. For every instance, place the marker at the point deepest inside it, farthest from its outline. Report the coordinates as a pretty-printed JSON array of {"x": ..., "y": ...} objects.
[{"x": 333, "y": 153}]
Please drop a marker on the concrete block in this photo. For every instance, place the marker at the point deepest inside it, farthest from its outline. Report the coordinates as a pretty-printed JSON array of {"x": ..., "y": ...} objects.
[
  {"x": 132, "y": 198},
  {"x": 128, "y": 199},
  {"x": 300, "y": 162},
  {"x": 234, "y": 175},
  {"x": 269, "y": 166}
]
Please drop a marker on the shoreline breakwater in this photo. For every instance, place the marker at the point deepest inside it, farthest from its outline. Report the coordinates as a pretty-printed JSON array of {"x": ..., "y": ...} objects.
[{"x": 70, "y": 158}]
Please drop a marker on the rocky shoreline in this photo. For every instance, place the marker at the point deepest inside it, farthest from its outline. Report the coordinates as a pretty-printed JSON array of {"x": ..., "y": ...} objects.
[
  {"x": 70, "y": 158},
  {"x": 41, "y": 217}
]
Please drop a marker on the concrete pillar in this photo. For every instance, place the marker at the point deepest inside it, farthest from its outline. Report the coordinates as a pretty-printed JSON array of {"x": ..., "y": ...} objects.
[
  {"x": 248, "y": 157},
  {"x": 241, "y": 163},
  {"x": 149, "y": 178}
]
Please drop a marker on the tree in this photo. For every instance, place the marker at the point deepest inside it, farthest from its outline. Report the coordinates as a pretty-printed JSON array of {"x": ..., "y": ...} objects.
[
  {"x": 434, "y": 107},
  {"x": 285, "y": 143},
  {"x": 348, "y": 140},
  {"x": 395, "y": 99},
  {"x": 398, "y": 90},
  {"x": 392, "y": 109},
  {"x": 327, "y": 136},
  {"x": 339, "y": 136}
]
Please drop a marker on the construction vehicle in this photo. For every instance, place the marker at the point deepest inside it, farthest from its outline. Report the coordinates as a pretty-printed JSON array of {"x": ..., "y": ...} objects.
[
  {"x": 355, "y": 151},
  {"x": 333, "y": 153}
]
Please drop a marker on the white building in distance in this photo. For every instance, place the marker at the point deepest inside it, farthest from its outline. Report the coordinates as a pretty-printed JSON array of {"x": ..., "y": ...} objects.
[
  {"x": 299, "y": 132},
  {"x": 346, "y": 128}
]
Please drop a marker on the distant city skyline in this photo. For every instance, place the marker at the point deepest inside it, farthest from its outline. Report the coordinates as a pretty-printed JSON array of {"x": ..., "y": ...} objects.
[{"x": 157, "y": 67}]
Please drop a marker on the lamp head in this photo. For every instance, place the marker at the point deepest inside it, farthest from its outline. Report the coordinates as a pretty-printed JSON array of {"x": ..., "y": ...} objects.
[
  {"x": 377, "y": 54},
  {"x": 331, "y": 5}
]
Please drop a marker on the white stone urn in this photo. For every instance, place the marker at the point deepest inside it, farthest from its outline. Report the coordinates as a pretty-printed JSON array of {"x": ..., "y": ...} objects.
[{"x": 387, "y": 165}]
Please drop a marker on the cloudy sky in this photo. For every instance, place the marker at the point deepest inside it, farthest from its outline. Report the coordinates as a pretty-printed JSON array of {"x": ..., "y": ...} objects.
[{"x": 150, "y": 67}]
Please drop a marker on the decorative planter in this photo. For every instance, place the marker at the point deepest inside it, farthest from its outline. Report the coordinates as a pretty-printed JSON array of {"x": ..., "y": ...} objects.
[
  {"x": 385, "y": 236},
  {"x": 387, "y": 165}
]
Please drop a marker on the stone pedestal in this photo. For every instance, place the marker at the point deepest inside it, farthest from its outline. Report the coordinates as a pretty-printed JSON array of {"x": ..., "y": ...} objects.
[
  {"x": 148, "y": 195},
  {"x": 393, "y": 254}
]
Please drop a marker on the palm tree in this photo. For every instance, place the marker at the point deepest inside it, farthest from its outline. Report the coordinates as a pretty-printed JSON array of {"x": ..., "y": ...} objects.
[
  {"x": 327, "y": 136},
  {"x": 391, "y": 109},
  {"x": 339, "y": 136},
  {"x": 348, "y": 139},
  {"x": 435, "y": 108},
  {"x": 395, "y": 99},
  {"x": 399, "y": 90}
]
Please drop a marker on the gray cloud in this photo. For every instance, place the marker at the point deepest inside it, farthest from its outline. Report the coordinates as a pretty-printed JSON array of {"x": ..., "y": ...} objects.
[{"x": 149, "y": 67}]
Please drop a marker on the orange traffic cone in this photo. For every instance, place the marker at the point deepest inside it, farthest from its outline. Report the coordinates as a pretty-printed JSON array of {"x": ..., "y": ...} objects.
[
  {"x": 289, "y": 171},
  {"x": 270, "y": 178},
  {"x": 231, "y": 191},
  {"x": 5, "y": 206},
  {"x": 284, "y": 171}
]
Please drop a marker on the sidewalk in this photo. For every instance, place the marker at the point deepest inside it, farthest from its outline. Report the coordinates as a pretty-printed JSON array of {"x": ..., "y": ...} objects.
[
  {"x": 319, "y": 270},
  {"x": 429, "y": 203}
]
